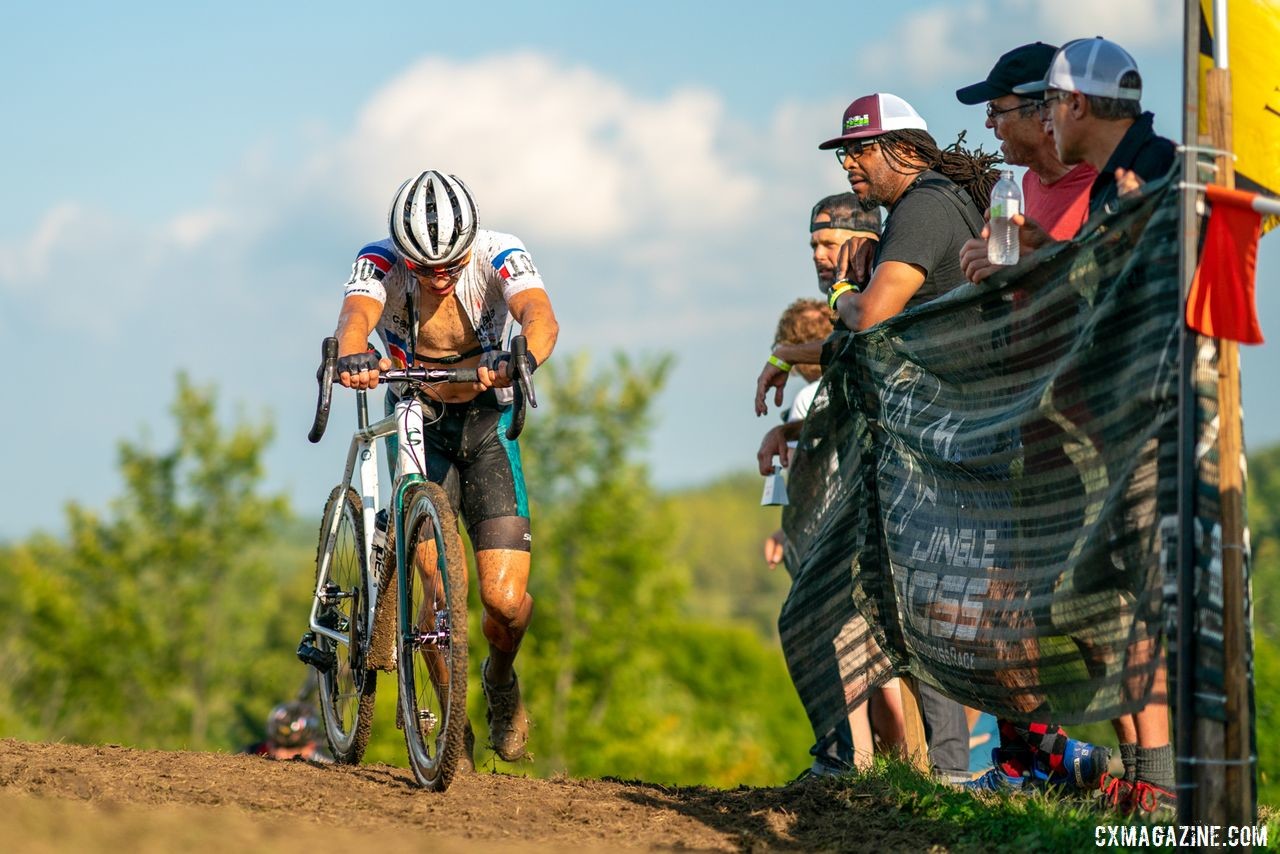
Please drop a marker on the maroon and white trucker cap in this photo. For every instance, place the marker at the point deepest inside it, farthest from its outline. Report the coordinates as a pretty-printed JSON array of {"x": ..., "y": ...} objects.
[{"x": 872, "y": 115}]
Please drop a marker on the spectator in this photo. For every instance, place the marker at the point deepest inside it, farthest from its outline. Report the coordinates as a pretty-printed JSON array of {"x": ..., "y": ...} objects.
[
  {"x": 1057, "y": 196},
  {"x": 891, "y": 161},
  {"x": 803, "y": 327},
  {"x": 1092, "y": 100},
  {"x": 292, "y": 733},
  {"x": 833, "y": 222},
  {"x": 805, "y": 322},
  {"x": 933, "y": 199}
]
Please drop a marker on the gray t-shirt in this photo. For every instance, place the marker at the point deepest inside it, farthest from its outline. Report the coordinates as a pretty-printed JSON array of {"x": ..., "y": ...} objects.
[{"x": 927, "y": 228}]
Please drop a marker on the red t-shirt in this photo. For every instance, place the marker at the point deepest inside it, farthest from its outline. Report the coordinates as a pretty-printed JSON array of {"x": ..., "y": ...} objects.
[{"x": 1062, "y": 207}]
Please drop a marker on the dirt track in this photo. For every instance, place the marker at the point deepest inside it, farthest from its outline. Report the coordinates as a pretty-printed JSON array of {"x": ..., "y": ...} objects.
[{"x": 61, "y": 797}]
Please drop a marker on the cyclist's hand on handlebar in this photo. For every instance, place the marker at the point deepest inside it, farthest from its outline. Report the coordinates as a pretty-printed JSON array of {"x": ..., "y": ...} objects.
[
  {"x": 500, "y": 374},
  {"x": 361, "y": 370}
]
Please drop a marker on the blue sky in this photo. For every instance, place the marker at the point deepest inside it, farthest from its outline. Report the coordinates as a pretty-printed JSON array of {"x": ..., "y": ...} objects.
[{"x": 185, "y": 187}]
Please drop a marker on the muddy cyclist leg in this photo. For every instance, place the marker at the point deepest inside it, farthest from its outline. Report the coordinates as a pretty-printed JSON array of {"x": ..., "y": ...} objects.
[{"x": 502, "y": 558}]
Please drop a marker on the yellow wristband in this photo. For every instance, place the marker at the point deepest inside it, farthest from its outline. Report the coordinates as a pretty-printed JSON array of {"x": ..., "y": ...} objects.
[
  {"x": 838, "y": 290},
  {"x": 779, "y": 364}
]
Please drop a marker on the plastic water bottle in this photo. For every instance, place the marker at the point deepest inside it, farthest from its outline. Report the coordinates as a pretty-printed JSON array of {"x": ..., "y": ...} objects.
[{"x": 1006, "y": 203}]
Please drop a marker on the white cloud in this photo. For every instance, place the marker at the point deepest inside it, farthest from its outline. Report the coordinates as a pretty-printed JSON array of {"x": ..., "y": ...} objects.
[
  {"x": 945, "y": 42},
  {"x": 32, "y": 257},
  {"x": 563, "y": 154},
  {"x": 666, "y": 196},
  {"x": 191, "y": 229},
  {"x": 928, "y": 45},
  {"x": 1132, "y": 23},
  {"x": 661, "y": 224},
  {"x": 80, "y": 270}
]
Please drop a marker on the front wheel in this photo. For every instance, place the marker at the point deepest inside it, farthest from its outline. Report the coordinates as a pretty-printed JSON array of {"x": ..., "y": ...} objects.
[
  {"x": 432, "y": 654},
  {"x": 347, "y": 686}
]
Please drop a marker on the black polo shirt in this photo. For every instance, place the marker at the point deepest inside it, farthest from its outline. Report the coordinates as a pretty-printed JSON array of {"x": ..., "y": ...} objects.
[{"x": 1141, "y": 150}]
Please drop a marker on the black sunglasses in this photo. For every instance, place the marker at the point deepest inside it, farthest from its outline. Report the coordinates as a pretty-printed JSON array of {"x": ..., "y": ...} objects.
[
  {"x": 854, "y": 149},
  {"x": 450, "y": 271}
]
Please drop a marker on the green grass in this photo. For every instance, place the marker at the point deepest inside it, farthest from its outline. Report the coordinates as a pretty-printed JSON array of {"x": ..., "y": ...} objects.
[{"x": 957, "y": 820}]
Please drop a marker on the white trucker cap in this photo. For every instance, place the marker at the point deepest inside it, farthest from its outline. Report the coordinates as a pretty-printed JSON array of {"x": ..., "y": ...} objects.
[{"x": 1089, "y": 66}]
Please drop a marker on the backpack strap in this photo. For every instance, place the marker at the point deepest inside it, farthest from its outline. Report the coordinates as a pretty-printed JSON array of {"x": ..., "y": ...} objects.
[{"x": 952, "y": 192}]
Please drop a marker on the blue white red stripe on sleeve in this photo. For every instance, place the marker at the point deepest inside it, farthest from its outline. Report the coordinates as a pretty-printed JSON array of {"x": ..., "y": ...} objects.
[{"x": 379, "y": 256}]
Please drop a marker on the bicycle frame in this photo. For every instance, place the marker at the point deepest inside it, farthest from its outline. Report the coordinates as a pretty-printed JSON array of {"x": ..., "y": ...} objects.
[{"x": 407, "y": 424}]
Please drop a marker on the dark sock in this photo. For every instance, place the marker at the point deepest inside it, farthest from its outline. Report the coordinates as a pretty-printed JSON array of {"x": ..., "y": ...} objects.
[
  {"x": 1010, "y": 736},
  {"x": 1155, "y": 766},
  {"x": 1128, "y": 755},
  {"x": 1012, "y": 756}
]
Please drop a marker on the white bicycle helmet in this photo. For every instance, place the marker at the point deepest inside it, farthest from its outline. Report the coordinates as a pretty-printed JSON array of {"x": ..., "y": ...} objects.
[{"x": 433, "y": 219}]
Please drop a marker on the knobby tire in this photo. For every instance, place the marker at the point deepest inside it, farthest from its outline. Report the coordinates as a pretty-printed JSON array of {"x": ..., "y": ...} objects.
[
  {"x": 434, "y": 753},
  {"x": 347, "y": 691}
]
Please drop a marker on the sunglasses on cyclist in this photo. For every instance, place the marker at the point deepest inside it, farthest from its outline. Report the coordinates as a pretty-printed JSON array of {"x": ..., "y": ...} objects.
[
  {"x": 449, "y": 271},
  {"x": 854, "y": 149}
]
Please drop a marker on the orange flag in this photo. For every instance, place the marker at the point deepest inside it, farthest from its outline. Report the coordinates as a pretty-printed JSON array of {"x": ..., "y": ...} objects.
[{"x": 1221, "y": 303}]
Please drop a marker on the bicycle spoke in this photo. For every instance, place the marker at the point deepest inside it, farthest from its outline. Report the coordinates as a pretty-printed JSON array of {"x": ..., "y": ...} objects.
[
  {"x": 434, "y": 649},
  {"x": 347, "y": 688}
]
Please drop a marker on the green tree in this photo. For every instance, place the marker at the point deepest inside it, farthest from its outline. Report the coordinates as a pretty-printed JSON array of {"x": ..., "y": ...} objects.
[
  {"x": 1264, "y": 537},
  {"x": 623, "y": 677},
  {"x": 149, "y": 625},
  {"x": 720, "y": 535}
]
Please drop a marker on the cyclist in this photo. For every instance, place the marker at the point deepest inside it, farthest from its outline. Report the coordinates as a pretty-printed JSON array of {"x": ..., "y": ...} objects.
[
  {"x": 441, "y": 291},
  {"x": 292, "y": 733}
]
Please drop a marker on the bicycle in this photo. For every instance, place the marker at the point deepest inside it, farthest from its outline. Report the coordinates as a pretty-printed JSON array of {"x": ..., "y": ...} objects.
[{"x": 415, "y": 553}]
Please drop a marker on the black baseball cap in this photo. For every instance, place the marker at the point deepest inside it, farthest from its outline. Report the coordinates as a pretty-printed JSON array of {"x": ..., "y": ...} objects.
[{"x": 1020, "y": 65}]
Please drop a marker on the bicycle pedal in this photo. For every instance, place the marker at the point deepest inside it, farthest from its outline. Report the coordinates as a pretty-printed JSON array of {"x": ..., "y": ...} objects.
[{"x": 308, "y": 653}]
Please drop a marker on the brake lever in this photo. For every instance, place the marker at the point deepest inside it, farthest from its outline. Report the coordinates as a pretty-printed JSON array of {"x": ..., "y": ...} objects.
[{"x": 325, "y": 376}]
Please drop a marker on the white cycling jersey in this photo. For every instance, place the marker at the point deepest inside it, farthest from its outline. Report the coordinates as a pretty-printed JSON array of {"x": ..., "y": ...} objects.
[{"x": 499, "y": 268}]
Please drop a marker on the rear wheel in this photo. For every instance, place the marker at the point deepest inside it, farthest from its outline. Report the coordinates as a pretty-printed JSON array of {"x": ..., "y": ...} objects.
[
  {"x": 432, "y": 653},
  {"x": 347, "y": 686}
]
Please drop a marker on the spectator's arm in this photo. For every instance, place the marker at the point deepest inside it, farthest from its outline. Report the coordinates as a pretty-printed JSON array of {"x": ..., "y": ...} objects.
[
  {"x": 774, "y": 377},
  {"x": 893, "y": 284},
  {"x": 808, "y": 353}
]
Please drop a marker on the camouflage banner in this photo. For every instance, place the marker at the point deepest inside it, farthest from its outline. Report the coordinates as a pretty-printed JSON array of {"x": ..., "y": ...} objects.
[{"x": 985, "y": 492}]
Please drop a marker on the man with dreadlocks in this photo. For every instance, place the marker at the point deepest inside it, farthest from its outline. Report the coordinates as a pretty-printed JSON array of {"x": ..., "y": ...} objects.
[
  {"x": 935, "y": 200},
  {"x": 934, "y": 197}
]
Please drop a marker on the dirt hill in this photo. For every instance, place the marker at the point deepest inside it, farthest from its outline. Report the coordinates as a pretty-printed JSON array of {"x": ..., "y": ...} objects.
[{"x": 63, "y": 797}]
